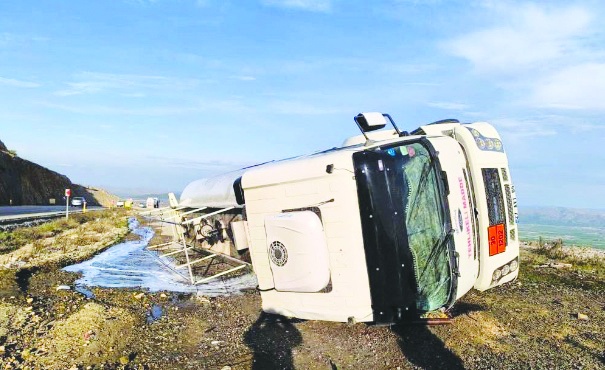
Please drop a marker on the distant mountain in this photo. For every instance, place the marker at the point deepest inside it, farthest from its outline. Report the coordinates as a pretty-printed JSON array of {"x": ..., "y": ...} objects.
[
  {"x": 26, "y": 183},
  {"x": 161, "y": 196},
  {"x": 560, "y": 216}
]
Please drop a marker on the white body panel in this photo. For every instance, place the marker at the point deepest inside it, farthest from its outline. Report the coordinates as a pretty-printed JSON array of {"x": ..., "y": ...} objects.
[
  {"x": 477, "y": 160},
  {"x": 298, "y": 252},
  {"x": 453, "y": 162},
  {"x": 304, "y": 182},
  {"x": 241, "y": 237}
]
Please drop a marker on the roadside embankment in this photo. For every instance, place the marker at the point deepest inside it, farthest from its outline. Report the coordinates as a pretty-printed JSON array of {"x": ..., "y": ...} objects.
[
  {"x": 56, "y": 244},
  {"x": 61, "y": 242}
]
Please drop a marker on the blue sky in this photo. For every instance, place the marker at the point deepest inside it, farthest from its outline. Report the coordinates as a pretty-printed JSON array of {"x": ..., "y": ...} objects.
[{"x": 145, "y": 96}]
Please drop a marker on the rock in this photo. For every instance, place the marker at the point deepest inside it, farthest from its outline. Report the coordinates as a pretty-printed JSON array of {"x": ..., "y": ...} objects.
[
  {"x": 581, "y": 316},
  {"x": 216, "y": 342},
  {"x": 2, "y": 350},
  {"x": 63, "y": 287},
  {"x": 226, "y": 368},
  {"x": 140, "y": 295},
  {"x": 30, "y": 300},
  {"x": 163, "y": 295},
  {"x": 202, "y": 299},
  {"x": 89, "y": 335},
  {"x": 124, "y": 360}
]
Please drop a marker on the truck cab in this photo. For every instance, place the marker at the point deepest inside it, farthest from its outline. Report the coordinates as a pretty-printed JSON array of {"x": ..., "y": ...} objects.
[{"x": 384, "y": 228}]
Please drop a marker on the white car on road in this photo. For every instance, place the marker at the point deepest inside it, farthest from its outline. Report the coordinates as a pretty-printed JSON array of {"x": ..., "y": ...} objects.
[{"x": 78, "y": 202}]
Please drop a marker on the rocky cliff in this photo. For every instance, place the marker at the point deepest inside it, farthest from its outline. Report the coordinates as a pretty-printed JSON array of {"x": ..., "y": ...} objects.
[{"x": 26, "y": 183}]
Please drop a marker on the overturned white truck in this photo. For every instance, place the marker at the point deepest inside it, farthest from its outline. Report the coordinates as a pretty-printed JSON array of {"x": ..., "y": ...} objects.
[{"x": 387, "y": 227}]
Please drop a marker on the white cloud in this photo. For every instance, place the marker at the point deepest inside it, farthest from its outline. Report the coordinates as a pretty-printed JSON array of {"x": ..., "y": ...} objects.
[
  {"x": 519, "y": 128},
  {"x": 244, "y": 78},
  {"x": 17, "y": 83},
  {"x": 548, "y": 56},
  {"x": 322, "y": 6},
  {"x": 526, "y": 37},
  {"x": 297, "y": 107},
  {"x": 448, "y": 105},
  {"x": 134, "y": 95},
  {"x": 93, "y": 82},
  {"x": 546, "y": 125},
  {"x": 420, "y": 2},
  {"x": 576, "y": 87},
  {"x": 213, "y": 165},
  {"x": 97, "y": 110},
  {"x": 203, "y": 105}
]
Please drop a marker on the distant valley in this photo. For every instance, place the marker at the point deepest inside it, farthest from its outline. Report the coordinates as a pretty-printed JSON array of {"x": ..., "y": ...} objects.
[{"x": 580, "y": 227}]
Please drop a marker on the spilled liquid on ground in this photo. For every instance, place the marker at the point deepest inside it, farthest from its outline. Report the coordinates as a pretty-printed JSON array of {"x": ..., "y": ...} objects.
[{"x": 131, "y": 265}]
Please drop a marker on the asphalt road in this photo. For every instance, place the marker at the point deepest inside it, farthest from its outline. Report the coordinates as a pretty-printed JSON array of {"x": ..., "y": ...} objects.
[
  {"x": 22, "y": 212},
  {"x": 26, "y": 210}
]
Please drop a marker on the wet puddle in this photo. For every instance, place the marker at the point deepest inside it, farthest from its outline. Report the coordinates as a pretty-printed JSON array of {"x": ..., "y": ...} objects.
[
  {"x": 154, "y": 314},
  {"x": 130, "y": 265},
  {"x": 87, "y": 293}
]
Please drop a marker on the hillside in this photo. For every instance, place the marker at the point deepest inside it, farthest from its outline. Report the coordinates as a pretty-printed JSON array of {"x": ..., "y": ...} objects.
[
  {"x": 560, "y": 216},
  {"x": 26, "y": 183}
]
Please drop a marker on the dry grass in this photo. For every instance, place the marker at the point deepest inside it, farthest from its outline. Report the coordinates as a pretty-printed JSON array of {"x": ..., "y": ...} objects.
[
  {"x": 62, "y": 241},
  {"x": 92, "y": 335},
  {"x": 20, "y": 237},
  {"x": 584, "y": 259}
]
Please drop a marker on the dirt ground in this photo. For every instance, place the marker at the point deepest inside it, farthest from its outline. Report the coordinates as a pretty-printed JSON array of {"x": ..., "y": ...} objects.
[{"x": 551, "y": 317}]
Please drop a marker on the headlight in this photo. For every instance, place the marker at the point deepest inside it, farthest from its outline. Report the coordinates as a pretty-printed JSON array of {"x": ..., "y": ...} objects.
[
  {"x": 480, "y": 143},
  {"x": 505, "y": 270},
  {"x": 490, "y": 144},
  {"x": 497, "y": 275},
  {"x": 486, "y": 143},
  {"x": 514, "y": 265}
]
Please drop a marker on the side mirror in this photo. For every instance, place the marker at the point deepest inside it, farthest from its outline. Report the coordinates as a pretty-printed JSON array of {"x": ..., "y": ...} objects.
[{"x": 370, "y": 121}]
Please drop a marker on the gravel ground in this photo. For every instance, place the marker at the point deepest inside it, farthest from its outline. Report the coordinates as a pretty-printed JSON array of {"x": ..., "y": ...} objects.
[{"x": 549, "y": 318}]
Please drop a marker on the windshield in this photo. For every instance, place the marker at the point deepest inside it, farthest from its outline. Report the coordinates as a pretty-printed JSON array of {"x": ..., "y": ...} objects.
[
  {"x": 425, "y": 227},
  {"x": 403, "y": 222}
]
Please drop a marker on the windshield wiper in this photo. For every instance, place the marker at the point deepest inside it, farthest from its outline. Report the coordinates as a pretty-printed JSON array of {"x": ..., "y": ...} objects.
[{"x": 438, "y": 247}]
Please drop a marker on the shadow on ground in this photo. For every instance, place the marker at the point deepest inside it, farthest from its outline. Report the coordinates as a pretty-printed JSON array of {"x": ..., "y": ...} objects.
[
  {"x": 424, "y": 349},
  {"x": 272, "y": 338},
  {"x": 463, "y": 308}
]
